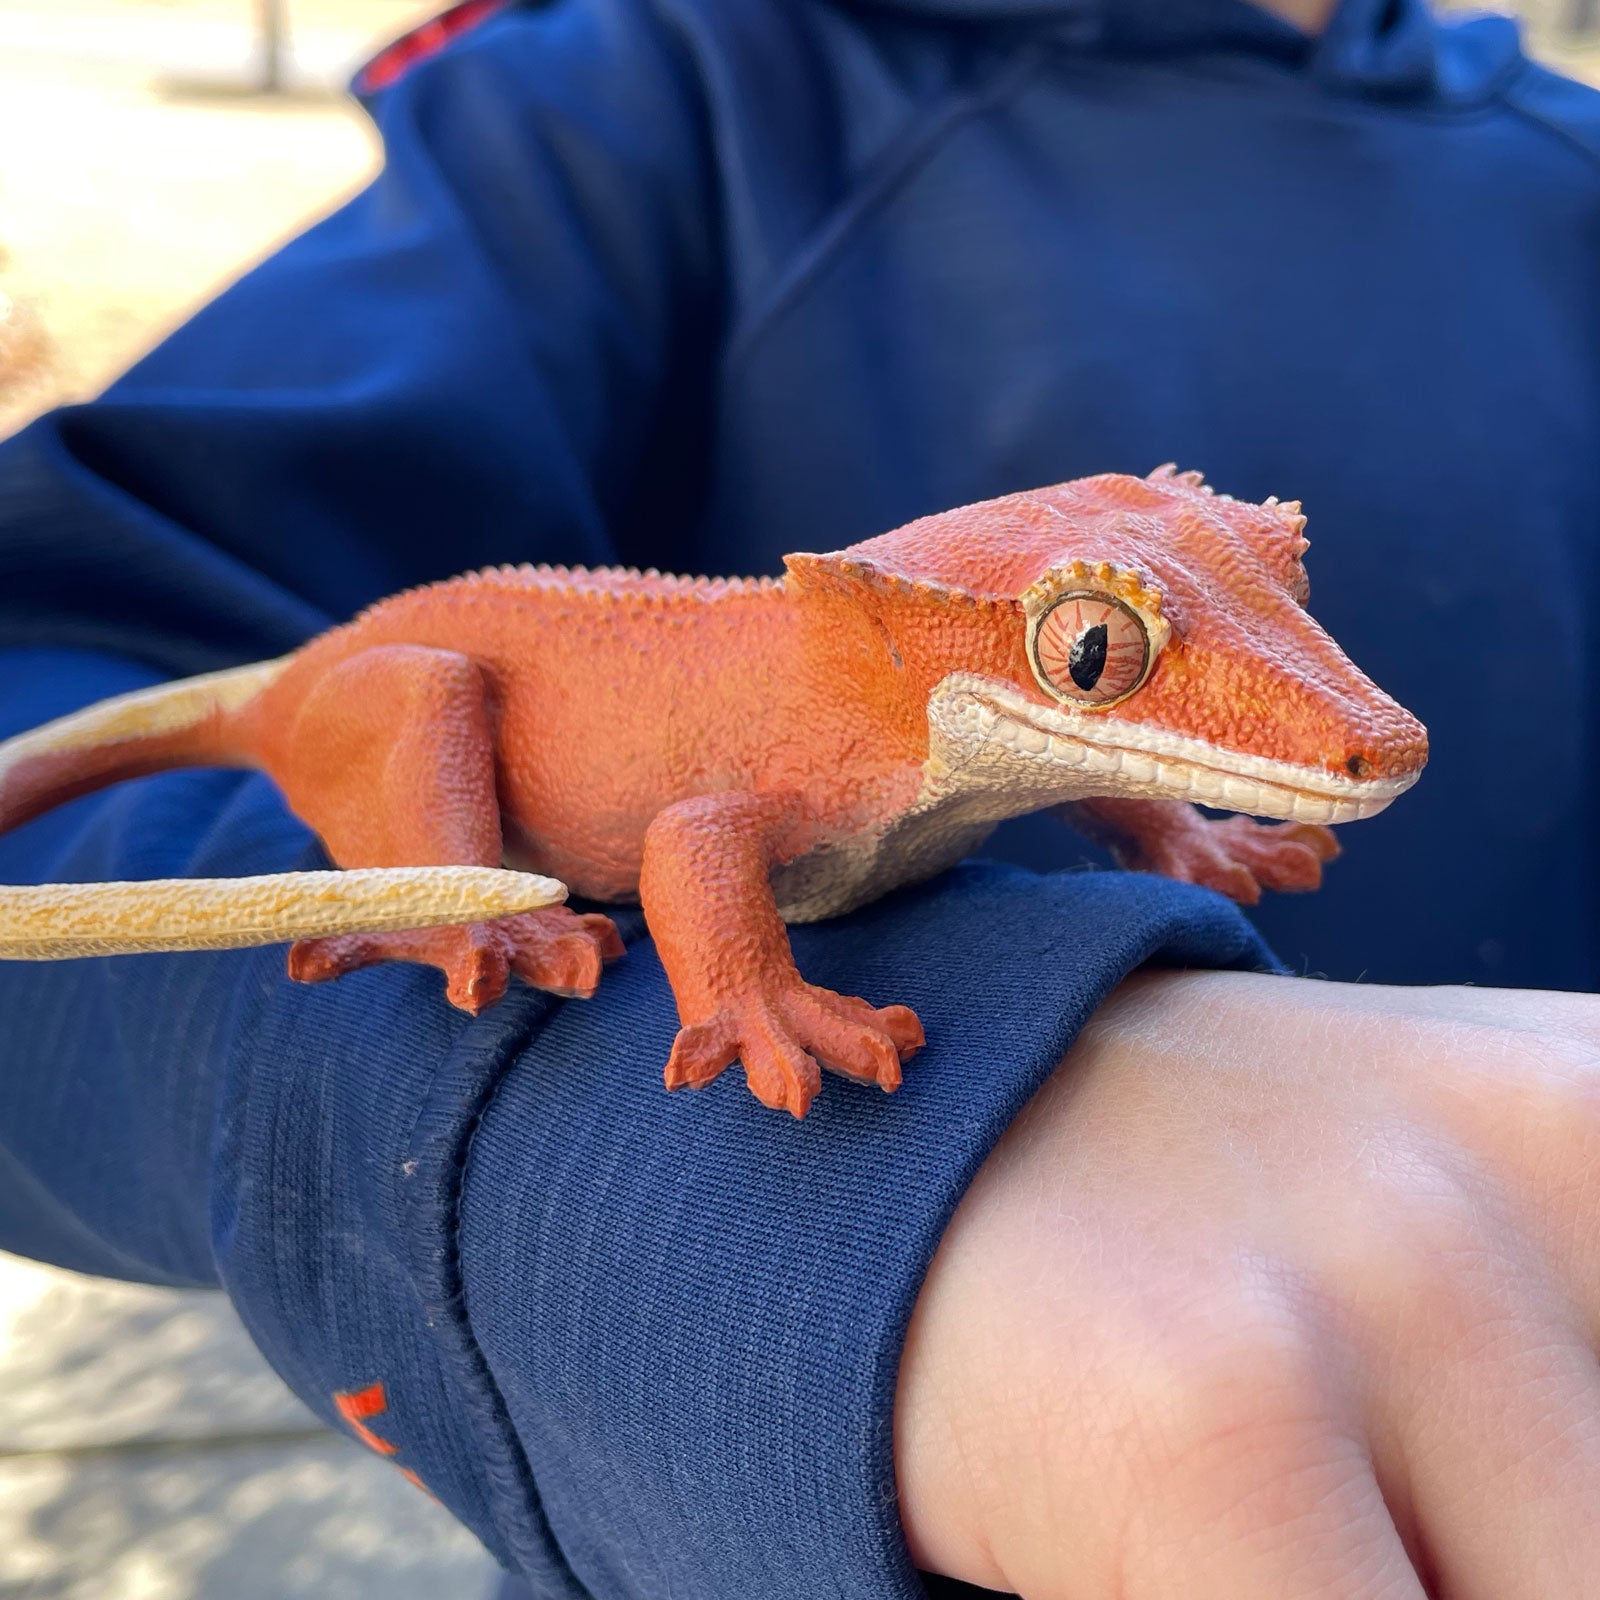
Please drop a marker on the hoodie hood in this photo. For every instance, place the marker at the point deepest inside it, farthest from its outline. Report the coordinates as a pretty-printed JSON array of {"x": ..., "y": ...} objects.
[{"x": 1389, "y": 49}]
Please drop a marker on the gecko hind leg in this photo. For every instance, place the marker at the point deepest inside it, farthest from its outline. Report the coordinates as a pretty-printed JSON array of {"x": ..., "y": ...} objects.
[{"x": 389, "y": 756}]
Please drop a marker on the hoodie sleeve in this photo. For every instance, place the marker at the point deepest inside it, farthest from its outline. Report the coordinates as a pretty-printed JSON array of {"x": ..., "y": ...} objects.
[
  {"x": 641, "y": 1344},
  {"x": 459, "y": 367}
]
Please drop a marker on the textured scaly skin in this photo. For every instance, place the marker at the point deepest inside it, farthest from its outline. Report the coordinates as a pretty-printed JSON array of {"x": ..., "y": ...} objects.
[
  {"x": 59, "y": 921},
  {"x": 741, "y": 753}
]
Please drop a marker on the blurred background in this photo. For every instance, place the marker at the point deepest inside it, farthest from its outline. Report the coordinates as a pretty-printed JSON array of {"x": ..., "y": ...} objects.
[
  {"x": 150, "y": 150},
  {"x": 141, "y": 166}
]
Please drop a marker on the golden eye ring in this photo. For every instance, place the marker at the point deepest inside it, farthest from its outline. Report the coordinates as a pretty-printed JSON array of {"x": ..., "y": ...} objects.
[{"x": 1090, "y": 649}]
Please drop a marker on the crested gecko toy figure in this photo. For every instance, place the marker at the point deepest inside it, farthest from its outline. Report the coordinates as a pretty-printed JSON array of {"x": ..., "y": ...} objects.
[{"x": 737, "y": 754}]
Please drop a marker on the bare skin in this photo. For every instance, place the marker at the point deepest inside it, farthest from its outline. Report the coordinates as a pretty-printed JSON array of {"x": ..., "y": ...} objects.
[
  {"x": 1311, "y": 16},
  {"x": 1279, "y": 1288}
]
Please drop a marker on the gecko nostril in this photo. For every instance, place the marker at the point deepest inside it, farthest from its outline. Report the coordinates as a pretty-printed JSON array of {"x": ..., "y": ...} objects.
[{"x": 1358, "y": 766}]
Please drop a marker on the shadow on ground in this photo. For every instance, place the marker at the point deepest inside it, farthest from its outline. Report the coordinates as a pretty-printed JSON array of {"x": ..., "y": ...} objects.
[
  {"x": 148, "y": 1453},
  {"x": 245, "y": 1522}
]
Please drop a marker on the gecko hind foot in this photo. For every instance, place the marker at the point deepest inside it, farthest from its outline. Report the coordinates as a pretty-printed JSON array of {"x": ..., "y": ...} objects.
[
  {"x": 557, "y": 950},
  {"x": 561, "y": 951},
  {"x": 783, "y": 1038}
]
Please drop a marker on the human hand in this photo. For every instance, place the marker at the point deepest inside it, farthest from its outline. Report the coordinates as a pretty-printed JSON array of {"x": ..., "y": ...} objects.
[{"x": 1279, "y": 1290}]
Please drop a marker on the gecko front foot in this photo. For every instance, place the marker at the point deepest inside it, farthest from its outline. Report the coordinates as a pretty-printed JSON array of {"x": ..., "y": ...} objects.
[
  {"x": 1239, "y": 857},
  {"x": 782, "y": 1036},
  {"x": 558, "y": 950}
]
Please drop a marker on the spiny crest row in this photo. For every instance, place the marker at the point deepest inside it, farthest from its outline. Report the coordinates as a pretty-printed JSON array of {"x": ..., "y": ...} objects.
[
  {"x": 1288, "y": 512},
  {"x": 597, "y": 583},
  {"x": 871, "y": 576},
  {"x": 1168, "y": 472},
  {"x": 589, "y": 580}
]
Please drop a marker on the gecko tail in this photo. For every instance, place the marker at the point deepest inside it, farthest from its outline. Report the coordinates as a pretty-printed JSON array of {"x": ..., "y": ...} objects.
[
  {"x": 182, "y": 724},
  {"x": 58, "y": 921},
  {"x": 192, "y": 723}
]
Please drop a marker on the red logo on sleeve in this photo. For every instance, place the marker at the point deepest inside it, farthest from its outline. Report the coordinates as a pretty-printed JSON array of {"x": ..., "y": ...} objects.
[
  {"x": 356, "y": 1406},
  {"x": 390, "y": 65}
]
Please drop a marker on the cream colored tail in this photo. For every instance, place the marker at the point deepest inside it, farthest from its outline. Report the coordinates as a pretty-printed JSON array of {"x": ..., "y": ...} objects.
[
  {"x": 183, "y": 724},
  {"x": 60, "y": 920}
]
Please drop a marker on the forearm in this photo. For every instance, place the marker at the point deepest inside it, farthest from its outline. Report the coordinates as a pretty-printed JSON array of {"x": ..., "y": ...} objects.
[{"x": 694, "y": 1308}]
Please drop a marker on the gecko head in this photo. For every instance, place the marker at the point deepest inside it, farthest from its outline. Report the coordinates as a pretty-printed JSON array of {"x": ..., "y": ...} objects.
[{"x": 1142, "y": 637}]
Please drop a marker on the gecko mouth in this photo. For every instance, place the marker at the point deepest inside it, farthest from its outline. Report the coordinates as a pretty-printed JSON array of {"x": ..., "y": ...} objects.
[{"x": 1128, "y": 759}]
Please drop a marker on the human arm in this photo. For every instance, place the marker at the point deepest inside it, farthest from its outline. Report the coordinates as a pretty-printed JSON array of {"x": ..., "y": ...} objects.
[
  {"x": 592, "y": 1308},
  {"x": 470, "y": 363},
  {"x": 1279, "y": 1287},
  {"x": 582, "y": 1295}
]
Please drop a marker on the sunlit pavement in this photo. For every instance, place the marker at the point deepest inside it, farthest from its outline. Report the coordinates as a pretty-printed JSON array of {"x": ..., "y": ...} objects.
[
  {"x": 147, "y": 1453},
  {"x": 135, "y": 177}
]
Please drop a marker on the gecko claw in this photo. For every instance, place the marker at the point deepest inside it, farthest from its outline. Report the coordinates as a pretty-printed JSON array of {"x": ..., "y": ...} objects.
[{"x": 783, "y": 1039}]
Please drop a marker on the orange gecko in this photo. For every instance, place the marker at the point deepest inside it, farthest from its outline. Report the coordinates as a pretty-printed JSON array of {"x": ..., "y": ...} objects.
[{"x": 743, "y": 753}]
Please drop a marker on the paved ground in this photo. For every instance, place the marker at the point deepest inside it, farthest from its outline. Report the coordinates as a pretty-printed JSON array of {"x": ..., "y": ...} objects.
[{"x": 146, "y": 1451}]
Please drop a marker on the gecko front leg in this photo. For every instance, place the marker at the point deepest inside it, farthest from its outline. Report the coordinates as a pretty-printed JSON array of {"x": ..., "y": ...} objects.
[
  {"x": 1237, "y": 856},
  {"x": 707, "y": 895}
]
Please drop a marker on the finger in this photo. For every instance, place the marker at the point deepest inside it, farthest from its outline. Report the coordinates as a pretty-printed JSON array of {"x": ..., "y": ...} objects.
[
  {"x": 1499, "y": 1435},
  {"x": 1527, "y": 1105},
  {"x": 1305, "y": 1518}
]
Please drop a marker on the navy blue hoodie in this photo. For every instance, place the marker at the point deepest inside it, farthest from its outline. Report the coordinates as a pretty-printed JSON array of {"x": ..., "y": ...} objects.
[{"x": 690, "y": 283}]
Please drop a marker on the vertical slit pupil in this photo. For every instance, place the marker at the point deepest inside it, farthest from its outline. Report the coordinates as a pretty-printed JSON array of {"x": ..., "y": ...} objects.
[{"x": 1087, "y": 659}]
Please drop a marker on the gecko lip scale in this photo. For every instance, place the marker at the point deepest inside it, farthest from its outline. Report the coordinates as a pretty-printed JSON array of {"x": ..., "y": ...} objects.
[{"x": 1134, "y": 759}]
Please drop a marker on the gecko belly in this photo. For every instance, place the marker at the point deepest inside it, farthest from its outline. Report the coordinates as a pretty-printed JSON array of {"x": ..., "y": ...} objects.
[{"x": 839, "y": 877}]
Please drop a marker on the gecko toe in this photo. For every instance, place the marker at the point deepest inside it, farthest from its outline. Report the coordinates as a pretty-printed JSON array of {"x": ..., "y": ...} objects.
[
  {"x": 701, "y": 1053},
  {"x": 559, "y": 950},
  {"x": 784, "y": 1038}
]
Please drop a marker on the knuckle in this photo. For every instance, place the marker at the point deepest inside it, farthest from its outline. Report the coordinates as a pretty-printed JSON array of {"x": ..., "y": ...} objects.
[
  {"x": 1240, "y": 1433},
  {"x": 1519, "y": 1103},
  {"x": 1529, "y": 1097},
  {"x": 1580, "y": 1015},
  {"x": 1425, "y": 1250},
  {"x": 1232, "y": 1386},
  {"x": 1558, "y": 1087}
]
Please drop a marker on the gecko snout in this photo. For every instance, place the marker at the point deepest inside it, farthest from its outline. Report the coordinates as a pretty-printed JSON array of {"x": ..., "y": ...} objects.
[{"x": 1390, "y": 744}]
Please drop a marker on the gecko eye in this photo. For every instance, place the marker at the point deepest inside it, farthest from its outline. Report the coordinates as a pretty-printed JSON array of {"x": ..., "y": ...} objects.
[{"x": 1091, "y": 648}]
